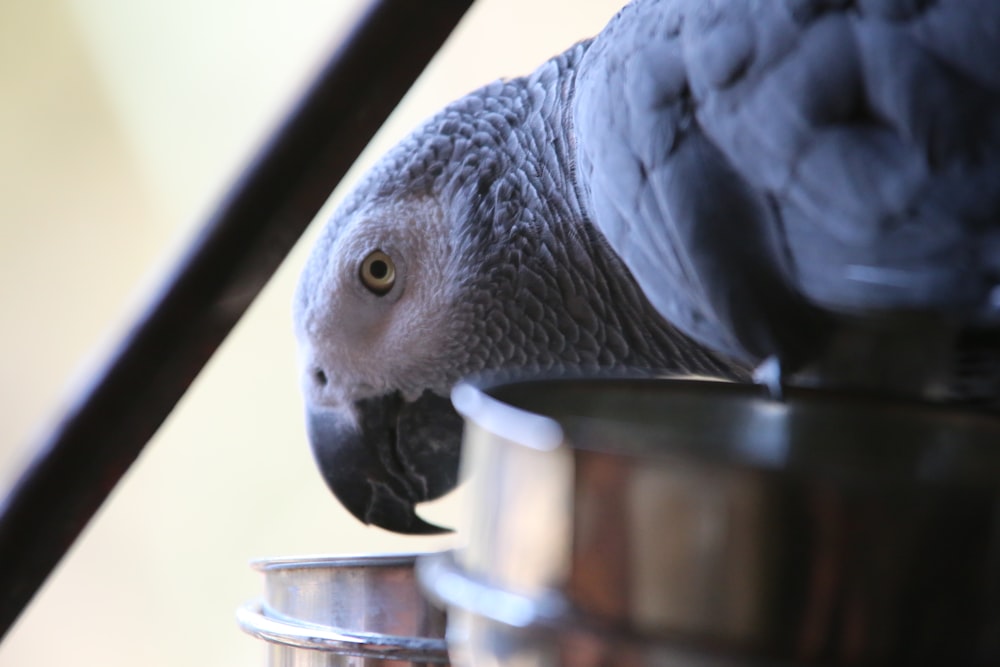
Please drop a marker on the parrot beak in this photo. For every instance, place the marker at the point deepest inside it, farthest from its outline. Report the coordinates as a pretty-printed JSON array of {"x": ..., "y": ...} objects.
[{"x": 393, "y": 455}]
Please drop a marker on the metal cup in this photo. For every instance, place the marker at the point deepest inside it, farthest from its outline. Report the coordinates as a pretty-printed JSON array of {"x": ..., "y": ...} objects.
[
  {"x": 692, "y": 523},
  {"x": 340, "y": 611}
]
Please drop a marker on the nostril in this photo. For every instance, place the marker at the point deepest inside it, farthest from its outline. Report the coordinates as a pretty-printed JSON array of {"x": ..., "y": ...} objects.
[{"x": 319, "y": 377}]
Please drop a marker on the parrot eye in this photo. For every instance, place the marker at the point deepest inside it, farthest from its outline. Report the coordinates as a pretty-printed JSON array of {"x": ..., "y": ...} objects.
[{"x": 378, "y": 273}]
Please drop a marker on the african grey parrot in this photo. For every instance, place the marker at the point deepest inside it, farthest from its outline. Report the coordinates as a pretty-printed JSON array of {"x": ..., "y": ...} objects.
[{"x": 704, "y": 185}]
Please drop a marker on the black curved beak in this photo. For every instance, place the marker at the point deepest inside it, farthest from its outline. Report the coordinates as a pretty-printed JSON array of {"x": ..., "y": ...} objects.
[{"x": 395, "y": 455}]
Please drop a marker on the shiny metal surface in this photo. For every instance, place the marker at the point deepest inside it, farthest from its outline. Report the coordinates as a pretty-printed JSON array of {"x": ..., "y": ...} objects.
[
  {"x": 334, "y": 611},
  {"x": 490, "y": 627},
  {"x": 706, "y": 520}
]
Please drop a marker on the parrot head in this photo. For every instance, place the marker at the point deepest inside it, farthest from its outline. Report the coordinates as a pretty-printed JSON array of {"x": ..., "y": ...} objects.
[
  {"x": 463, "y": 252},
  {"x": 380, "y": 332}
]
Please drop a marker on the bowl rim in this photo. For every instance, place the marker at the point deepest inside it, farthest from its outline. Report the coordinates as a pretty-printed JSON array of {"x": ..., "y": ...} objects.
[
  {"x": 861, "y": 436},
  {"x": 253, "y": 620}
]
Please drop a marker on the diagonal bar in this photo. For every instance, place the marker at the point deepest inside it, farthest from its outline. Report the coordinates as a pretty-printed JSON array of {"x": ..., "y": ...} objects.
[{"x": 225, "y": 268}]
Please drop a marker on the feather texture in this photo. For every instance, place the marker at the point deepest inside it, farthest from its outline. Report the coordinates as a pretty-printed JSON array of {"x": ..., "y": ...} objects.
[{"x": 771, "y": 162}]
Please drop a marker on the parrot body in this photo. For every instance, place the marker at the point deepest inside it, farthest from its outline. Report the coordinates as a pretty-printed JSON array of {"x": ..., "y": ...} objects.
[
  {"x": 752, "y": 161},
  {"x": 704, "y": 185}
]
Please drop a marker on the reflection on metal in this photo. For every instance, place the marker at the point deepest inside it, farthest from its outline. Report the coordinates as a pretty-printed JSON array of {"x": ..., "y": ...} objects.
[
  {"x": 692, "y": 523},
  {"x": 357, "y": 611},
  {"x": 213, "y": 284}
]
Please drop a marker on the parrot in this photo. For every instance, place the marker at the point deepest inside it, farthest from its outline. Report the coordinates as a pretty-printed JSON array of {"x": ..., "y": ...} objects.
[{"x": 706, "y": 187}]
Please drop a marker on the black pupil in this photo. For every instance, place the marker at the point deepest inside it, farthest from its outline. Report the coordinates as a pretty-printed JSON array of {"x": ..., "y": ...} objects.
[{"x": 379, "y": 269}]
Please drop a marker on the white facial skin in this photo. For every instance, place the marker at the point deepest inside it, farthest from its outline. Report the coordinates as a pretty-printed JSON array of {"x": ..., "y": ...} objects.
[{"x": 368, "y": 344}]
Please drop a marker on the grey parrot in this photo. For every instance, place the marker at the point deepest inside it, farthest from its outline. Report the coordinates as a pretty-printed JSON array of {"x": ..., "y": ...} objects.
[{"x": 705, "y": 185}]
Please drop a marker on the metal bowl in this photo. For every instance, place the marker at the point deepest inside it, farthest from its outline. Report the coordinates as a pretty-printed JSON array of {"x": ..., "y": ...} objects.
[
  {"x": 689, "y": 523},
  {"x": 340, "y": 611}
]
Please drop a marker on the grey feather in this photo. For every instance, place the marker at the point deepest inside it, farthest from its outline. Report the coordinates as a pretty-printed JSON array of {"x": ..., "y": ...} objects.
[
  {"x": 774, "y": 164},
  {"x": 541, "y": 291}
]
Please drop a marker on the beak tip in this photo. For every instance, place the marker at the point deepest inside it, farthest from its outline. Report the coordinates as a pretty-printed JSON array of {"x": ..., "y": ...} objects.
[{"x": 373, "y": 506}]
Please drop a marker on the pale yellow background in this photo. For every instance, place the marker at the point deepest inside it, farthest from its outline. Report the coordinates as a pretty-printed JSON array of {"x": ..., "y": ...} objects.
[{"x": 121, "y": 121}]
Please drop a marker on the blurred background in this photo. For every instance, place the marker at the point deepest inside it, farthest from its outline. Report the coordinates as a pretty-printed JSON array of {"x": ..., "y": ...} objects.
[{"x": 121, "y": 123}]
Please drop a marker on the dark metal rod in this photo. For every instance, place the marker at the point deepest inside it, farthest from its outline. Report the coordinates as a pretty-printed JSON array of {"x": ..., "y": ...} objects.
[{"x": 228, "y": 264}]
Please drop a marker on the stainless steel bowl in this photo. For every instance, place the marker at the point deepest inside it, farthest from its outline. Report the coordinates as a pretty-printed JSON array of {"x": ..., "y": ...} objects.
[
  {"x": 339, "y": 611},
  {"x": 691, "y": 523}
]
